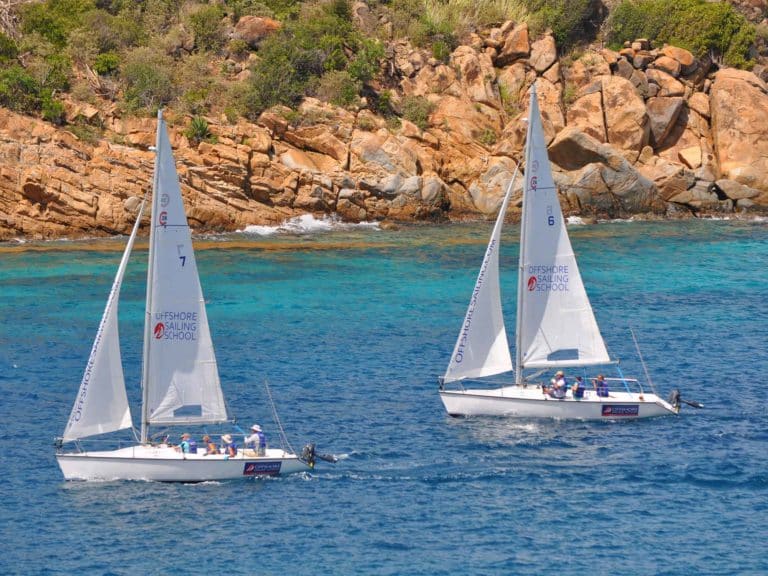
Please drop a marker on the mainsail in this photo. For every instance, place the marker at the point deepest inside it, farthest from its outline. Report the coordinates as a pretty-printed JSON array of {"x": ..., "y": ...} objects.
[
  {"x": 556, "y": 325},
  {"x": 181, "y": 378},
  {"x": 482, "y": 348},
  {"x": 102, "y": 405}
]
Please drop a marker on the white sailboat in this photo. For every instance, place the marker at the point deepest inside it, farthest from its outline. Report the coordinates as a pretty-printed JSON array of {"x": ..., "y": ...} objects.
[
  {"x": 180, "y": 378},
  {"x": 556, "y": 328}
]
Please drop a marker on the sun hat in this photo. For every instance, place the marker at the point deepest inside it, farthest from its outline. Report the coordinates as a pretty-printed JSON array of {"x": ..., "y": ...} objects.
[
  {"x": 227, "y": 438},
  {"x": 256, "y": 428}
]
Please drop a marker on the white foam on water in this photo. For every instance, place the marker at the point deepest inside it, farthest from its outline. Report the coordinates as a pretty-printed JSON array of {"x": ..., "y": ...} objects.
[{"x": 307, "y": 224}]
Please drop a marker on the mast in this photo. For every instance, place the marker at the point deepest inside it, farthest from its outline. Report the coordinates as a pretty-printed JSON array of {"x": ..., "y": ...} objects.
[
  {"x": 523, "y": 228},
  {"x": 150, "y": 273}
]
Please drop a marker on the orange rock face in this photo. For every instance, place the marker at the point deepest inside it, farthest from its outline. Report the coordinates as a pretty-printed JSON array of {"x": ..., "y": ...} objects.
[{"x": 632, "y": 132}]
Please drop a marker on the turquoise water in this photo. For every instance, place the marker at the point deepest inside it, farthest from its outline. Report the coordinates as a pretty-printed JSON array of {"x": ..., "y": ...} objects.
[{"x": 351, "y": 329}]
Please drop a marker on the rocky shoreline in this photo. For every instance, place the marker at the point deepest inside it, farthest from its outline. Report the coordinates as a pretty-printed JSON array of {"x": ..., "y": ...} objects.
[{"x": 645, "y": 132}]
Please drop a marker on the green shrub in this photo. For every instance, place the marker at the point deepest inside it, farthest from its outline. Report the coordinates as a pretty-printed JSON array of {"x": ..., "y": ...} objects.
[
  {"x": 157, "y": 17},
  {"x": 238, "y": 47},
  {"x": 199, "y": 87},
  {"x": 198, "y": 130},
  {"x": 52, "y": 109},
  {"x": 487, "y": 138},
  {"x": 283, "y": 10},
  {"x": 381, "y": 102},
  {"x": 718, "y": 29},
  {"x": 148, "y": 79},
  {"x": 428, "y": 22},
  {"x": 441, "y": 51},
  {"x": 365, "y": 123},
  {"x": 570, "y": 93},
  {"x": 239, "y": 8},
  {"x": 19, "y": 91},
  {"x": 417, "y": 109},
  {"x": 47, "y": 63},
  {"x": 208, "y": 28},
  {"x": 298, "y": 59},
  {"x": 54, "y": 19},
  {"x": 570, "y": 20},
  {"x": 282, "y": 74},
  {"x": 366, "y": 62},
  {"x": 106, "y": 63},
  {"x": 108, "y": 33},
  {"x": 8, "y": 48},
  {"x": 339, "y": 88},
  {"x": 86, "y": 132},
  {"x": 195, "y": 100}
]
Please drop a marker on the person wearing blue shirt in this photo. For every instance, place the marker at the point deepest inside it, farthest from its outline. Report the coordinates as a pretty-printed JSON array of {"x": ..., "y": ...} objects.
[
  {"x": 188, "y": 444},
  {"x": 230, "y": 448},
  {"x": 601, "y": 385},
  {"x": 578, "y": 388}
]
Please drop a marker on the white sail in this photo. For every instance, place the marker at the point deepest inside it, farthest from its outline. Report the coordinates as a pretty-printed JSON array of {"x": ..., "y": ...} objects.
[
  {"x": 102, "y": 405},
  {"x": 181, "y": 377},
  {"x": 556, "y": 326},
  {"x": 482, "y": 348}
]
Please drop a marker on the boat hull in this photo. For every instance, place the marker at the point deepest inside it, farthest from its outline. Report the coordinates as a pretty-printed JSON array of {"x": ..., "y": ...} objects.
[
  {"x": 165, "y": 464},
  {"x": 531, "y": 402}
]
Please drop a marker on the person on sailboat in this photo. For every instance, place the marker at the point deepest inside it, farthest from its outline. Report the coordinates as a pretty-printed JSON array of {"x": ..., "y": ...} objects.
[
  {"x": 601, "y": 385},
  {"x": 257, "y": 441},
  {"x": 188, "y": 444},
  {"x": 210, "y": 446},
  {"x": 560, "y": 386},
  {"x": 230, "y": 448},
  {"x": 578, "y": 388}
]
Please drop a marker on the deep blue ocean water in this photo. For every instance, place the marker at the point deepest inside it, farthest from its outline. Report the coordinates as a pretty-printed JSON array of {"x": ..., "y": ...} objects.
[{"x": 351, "y": 329}]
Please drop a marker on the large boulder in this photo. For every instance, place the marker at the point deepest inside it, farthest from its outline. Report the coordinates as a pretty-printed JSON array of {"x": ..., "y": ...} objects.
[
  {"x": 631, "y": 192},
  {"x": 739, "y": 108},
  {"x": 626, "y": 118},
  {"x": 253, "y": 29},
  {"x": 476, "y": 75}
]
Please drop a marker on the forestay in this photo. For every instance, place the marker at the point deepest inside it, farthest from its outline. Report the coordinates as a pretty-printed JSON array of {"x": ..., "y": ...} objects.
[
  {"x": 101, "y": 405},
  {"x": 556, "y": 324},
  {"x": 182, "y": 377},
  {"x": 482, "y": 348}
]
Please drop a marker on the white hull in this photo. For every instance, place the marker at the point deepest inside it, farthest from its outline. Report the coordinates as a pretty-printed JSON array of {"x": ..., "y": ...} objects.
[
  {"x": 165, "y": 464},
  {"x": 531, "y": 402}
]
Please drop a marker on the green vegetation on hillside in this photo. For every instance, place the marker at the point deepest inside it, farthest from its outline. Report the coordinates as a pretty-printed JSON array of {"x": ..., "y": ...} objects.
[
  {"x": 704, "y": 28},
  {"x": 146, "y": 54}
]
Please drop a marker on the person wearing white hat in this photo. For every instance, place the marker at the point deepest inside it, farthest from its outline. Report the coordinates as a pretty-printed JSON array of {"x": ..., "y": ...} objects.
[
  {"x": 257, "y": 441},
  {"x": 230, "y": 448},
  {"x": 560, "y": 386}
]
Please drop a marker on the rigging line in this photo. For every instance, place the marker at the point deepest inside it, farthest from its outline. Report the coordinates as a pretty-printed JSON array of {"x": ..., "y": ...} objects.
[
  {"x": 642, "y": 362},
  {"x": 283, "y": 438}
]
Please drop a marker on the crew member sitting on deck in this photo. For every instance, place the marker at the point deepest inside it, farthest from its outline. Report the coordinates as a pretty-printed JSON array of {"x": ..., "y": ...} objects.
[
  {"x": 601, "y": 385},
  {"x": 560, "y": 386},
  {"x": 578, "y": 388},
  {"x": 210, "y": 446},
  {"x": 230, "y": 448},
  {"x": 257, "y": 441},
  {"x": 187, "y": 445}
]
